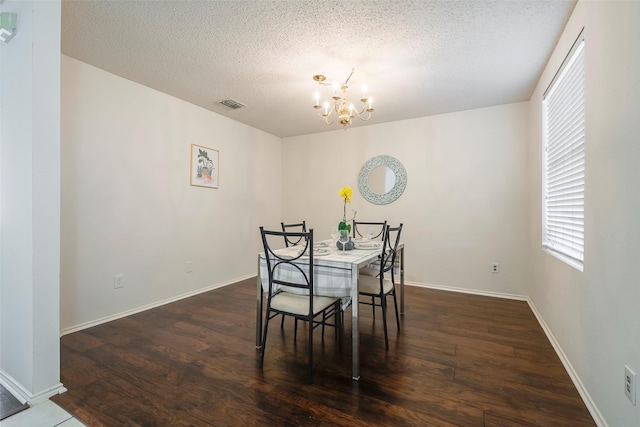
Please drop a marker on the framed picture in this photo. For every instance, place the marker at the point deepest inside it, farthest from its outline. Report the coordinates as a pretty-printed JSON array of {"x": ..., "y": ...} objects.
[{"x": 205, "y": 164}]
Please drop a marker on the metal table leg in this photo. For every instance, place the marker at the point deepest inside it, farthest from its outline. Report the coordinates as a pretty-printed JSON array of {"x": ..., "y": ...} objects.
[{"x": 355, "y": 339}]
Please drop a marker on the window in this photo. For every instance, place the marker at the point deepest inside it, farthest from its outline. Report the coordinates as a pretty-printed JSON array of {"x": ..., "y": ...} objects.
[{"x": 563, "y": 160}]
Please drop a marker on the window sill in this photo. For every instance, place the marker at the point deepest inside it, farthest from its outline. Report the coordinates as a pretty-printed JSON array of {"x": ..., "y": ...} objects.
[{"x": 568, "y": 260}]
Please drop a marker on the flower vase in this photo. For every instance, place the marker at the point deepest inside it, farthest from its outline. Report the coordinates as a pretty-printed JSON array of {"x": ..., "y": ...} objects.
[{"x": 347, "y": 246}]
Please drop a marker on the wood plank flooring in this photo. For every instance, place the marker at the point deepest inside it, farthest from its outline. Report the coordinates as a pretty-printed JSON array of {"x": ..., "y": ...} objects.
[{"x": 460, "y": 360}]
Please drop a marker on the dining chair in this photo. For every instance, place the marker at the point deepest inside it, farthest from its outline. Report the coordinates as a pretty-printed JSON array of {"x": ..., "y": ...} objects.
[
  {"x": 381, "y": 286},
  {"x": 301, "y": 226},
  {"x": 291, "y": 290},
  {"x": 371, "y": 230}
]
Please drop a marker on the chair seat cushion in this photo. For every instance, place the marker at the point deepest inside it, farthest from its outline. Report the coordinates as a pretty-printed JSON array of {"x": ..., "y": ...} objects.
[
  {"x": 369, "y": 271},
  {"x": 371, "y": 285},
  {"x": 299, "y": 304}
]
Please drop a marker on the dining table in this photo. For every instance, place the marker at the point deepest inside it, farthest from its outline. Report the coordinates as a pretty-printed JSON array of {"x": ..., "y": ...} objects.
[{"x": 335, "y": 274}]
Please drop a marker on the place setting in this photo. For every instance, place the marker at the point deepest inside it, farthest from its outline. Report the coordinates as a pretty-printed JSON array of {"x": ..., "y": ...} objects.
[{"x": 318, "y": 251}]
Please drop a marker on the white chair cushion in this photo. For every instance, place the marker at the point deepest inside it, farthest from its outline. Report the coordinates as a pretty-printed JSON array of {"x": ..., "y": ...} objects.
[
  {"x": 299, "y": 304},
  {"x": 371, "y": 285},
  {"x": 370, "y": 271}
]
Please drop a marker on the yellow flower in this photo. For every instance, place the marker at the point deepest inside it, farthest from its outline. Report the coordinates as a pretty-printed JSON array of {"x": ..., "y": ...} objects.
[{"x": 346, "y": 193}]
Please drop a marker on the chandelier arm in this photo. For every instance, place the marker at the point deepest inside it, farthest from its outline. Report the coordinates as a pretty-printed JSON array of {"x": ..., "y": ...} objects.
[
  {"x": 329, "y": 111},
  {"x": 360, "y": 114},
  {"x": 330, "y": 122},
  {"x": 364, "y": 108},
  {"x": 329, "y": 118}
]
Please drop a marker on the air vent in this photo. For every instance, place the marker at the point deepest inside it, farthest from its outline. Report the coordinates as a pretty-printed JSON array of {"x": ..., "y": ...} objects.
[{"x": 231, "y": 103}]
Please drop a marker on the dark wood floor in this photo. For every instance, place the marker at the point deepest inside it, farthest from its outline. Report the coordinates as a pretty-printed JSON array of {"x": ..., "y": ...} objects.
[{"x": 460, "y": 360}]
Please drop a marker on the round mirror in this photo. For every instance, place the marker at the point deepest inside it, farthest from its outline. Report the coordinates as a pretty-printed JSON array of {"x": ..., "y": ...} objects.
[{"x": 382, "y": 180}]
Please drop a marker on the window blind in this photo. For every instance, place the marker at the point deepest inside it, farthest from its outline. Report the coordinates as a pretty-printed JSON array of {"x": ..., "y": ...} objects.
[{"x": 563, "y": 207}]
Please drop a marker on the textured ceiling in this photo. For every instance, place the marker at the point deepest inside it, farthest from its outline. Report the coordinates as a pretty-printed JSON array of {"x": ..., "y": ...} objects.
[{"x": 417, "y": 58}]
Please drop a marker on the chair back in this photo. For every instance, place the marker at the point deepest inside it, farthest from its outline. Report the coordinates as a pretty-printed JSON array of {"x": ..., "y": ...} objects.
[
  {"x": 373, "y": 230},
  {"x": 292, "y": 241},
  {"x": 287, "y": 270},
  {"x": 390, "y": 242}
]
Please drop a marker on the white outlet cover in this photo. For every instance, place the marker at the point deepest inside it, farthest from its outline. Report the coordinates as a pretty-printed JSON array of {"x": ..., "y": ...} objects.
[
  {"x": 117, "y": 281},
  {"x": 630, "y": 384}
]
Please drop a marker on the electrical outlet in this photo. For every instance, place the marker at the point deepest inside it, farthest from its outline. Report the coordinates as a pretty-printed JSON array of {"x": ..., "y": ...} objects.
[
  {"x": 630, "y": 384},
  {"x": 118, "y": 281},
  {"x": 495, "y": 268},
  {"x": 189, "y": 268}
]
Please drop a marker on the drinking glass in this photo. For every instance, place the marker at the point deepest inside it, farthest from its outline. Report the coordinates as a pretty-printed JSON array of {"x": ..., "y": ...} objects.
[
  {"x": 334, "y": 236},
  {"x": 371, "y": 231},
  {"x": 344, "y": 239}
]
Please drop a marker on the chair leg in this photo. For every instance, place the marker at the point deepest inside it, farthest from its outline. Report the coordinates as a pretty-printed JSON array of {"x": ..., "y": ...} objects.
[
  {"x": 264, "y": 338},
  {"x": 295, "y": 329},
  {"x": 373, "y": 307},
  {"x": 383, "y": 303},
  {"x": 282, "y": 322},
  {"x": 395, "y": 305},
  {"x": 324, "y": 321}
]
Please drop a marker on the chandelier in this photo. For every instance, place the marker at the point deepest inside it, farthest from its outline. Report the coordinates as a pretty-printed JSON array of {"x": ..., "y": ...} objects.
[{"x": 342, "y": 109}]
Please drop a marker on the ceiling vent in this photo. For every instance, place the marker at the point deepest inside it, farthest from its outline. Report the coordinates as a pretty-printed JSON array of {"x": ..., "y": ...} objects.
[{"x": 231, "y": 103}]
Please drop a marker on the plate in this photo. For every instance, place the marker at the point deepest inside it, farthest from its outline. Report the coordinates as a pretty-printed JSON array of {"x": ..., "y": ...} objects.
[
  {"x": 367, "y": 246},
  {"x": 319, "y": 252}
]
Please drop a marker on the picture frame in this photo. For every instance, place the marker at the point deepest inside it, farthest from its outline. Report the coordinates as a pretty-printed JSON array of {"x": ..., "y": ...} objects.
[{"x": 205, "y": 166}]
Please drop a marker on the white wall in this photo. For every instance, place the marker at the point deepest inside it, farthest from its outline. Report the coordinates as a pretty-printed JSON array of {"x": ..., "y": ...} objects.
[
  {"x": 128, "y": 208},
  {"x": 594, "y": 316},
  {"x": 465, "y": 205},
  {"x": 30, "y": 202}
]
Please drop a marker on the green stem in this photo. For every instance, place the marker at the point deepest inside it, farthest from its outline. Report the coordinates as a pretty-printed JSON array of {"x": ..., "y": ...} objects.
[{"x": 344, "y": 213}]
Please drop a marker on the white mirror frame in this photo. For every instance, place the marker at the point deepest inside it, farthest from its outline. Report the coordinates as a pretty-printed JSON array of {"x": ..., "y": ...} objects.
[{"x": 391, "y": 195}]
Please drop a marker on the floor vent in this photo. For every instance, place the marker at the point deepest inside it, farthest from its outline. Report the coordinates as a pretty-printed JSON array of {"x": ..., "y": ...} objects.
[{"x": 231, "y": 103}]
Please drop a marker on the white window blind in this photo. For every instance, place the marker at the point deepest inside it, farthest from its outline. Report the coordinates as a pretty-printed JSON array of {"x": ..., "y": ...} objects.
[{"x": 563, "y": 204}]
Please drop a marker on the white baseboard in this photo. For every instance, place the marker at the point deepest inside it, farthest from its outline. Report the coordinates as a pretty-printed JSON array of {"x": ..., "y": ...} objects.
[
  {"x": 150, "y": 306},
  {"x": 24, "y": 396},
  {"x": 468, "y": 291},
  {"x": 586, "y": 398}
]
